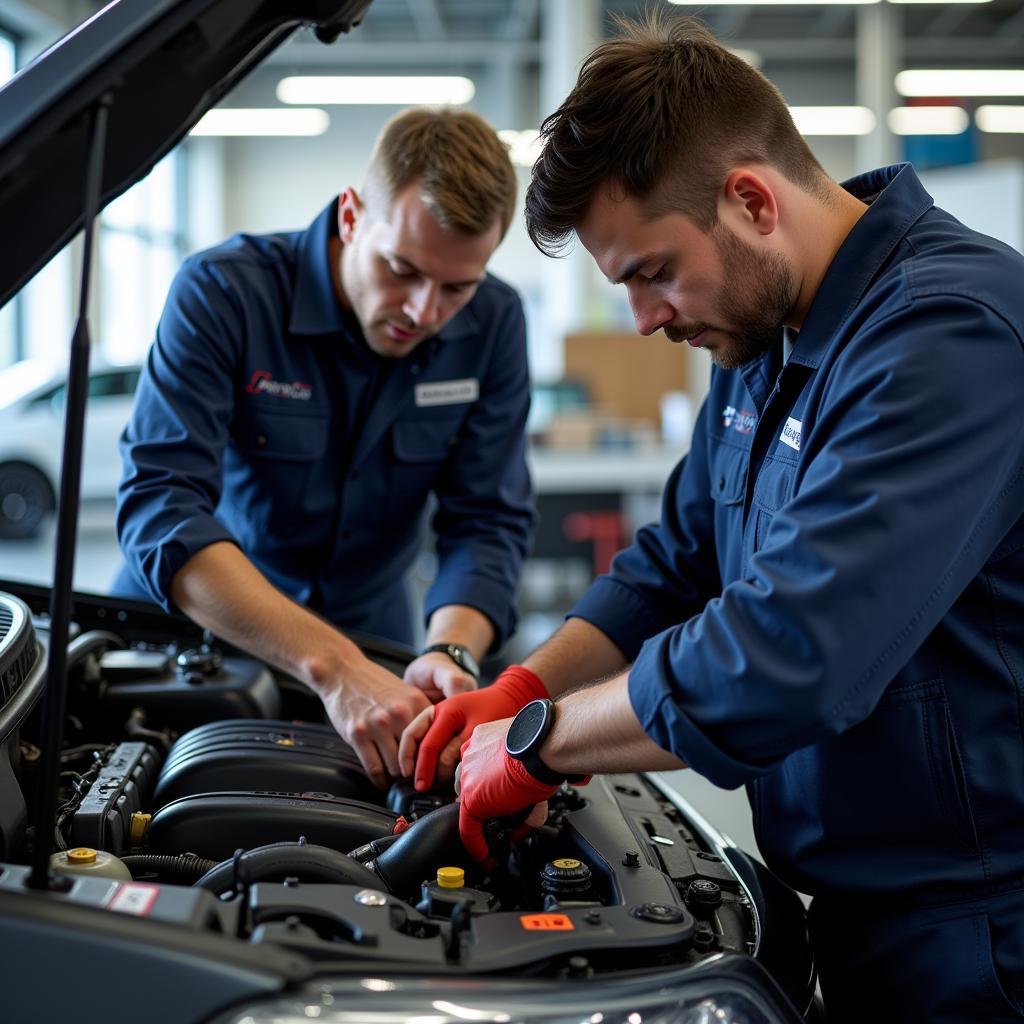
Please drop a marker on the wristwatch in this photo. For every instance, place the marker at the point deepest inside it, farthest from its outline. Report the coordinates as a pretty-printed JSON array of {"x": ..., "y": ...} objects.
[
  {"x": 460, "y": 654},
  {"x": 529, "y": 729}
]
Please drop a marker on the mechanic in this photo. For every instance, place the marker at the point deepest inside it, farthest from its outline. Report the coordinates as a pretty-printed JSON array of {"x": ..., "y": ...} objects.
[
  {"x": 830, "y": 610},
  {"x": 305, "y": 395}
]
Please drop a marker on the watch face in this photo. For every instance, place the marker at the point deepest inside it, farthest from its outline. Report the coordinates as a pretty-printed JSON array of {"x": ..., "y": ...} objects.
[{"x": 525, "y": 727}]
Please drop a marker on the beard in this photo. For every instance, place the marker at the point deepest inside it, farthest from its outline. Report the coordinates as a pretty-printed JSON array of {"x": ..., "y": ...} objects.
[{"x": 758, "y": 292}]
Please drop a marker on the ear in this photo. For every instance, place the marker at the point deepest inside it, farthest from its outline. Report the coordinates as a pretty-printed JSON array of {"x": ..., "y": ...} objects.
[
  {"x": 350, "y": 211},
  {"x": 748, "y": 203}
]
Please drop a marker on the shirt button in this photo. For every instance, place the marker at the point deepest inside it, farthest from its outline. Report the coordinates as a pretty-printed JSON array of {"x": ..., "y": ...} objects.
[
  {"x": 721, "y": 483},
  {"x": 261, "y": 441},
  {"x": 414, "y": 369}
]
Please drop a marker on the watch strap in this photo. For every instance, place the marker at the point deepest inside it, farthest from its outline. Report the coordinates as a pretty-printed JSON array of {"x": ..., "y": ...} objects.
[{"x": 459, "y": 653}]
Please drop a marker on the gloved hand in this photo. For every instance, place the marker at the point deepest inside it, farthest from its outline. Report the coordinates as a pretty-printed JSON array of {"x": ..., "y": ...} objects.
[
  {"x": 442, "y": 730},
  {"x": 492, "y": 785}
]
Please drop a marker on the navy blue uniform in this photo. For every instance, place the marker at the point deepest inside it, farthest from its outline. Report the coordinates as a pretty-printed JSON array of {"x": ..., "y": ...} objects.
[
  {"x": 262, "y": 418},
  {"x": 831, "y": 611}
]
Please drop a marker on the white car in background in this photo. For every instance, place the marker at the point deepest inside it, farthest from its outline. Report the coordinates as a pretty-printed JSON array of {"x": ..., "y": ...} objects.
[{"x": 32, "y": 437}]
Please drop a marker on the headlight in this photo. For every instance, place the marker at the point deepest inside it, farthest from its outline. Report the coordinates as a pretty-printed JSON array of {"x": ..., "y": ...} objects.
[{"x": 721, "y": 990}]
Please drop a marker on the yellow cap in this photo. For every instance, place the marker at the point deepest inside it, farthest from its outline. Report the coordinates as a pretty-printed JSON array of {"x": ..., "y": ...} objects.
[
  {"x": 451, "y": 878},
  {"x": 139, "y": 827},
  {"x": 285, "y": 741},
  {"x": 566, "y": 863},
  {"x": 81, "y": 855}
]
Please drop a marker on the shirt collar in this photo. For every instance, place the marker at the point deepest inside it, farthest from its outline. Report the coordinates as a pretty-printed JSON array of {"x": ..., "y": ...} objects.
[
  {"x": 315, "y": 306},
  {"x": 897, "y": 200}
]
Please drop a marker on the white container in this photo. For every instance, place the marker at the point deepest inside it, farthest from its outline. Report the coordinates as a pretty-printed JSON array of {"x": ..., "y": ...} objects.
[{"x": 84, "y": 860}]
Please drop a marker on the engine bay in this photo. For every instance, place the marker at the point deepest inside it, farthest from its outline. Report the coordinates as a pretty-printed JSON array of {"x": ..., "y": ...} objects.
[{"x": 235, "y": 810}]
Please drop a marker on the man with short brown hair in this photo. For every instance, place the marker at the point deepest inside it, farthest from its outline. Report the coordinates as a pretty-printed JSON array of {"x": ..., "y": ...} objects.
[
  {"x": 305, "y": 396},
  {"x": 830, "y": 609}
]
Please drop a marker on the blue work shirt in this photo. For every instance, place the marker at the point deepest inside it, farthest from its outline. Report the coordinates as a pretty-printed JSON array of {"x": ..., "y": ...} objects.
[
  {"x": 831, "y": 609},
  {"x": 263, "y": 418}
]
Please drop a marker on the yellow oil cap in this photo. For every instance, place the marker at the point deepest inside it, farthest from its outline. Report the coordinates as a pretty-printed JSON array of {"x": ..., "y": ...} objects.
[
  {"x": 566, "y": 863},
  {"x": 82, "y": 855},
  {"x": 139, "y": 827},
  {"x": 451, "y": 878}
]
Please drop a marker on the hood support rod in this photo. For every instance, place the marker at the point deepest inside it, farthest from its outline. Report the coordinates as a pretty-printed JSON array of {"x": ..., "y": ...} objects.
[{"x": 52, "y": 721}]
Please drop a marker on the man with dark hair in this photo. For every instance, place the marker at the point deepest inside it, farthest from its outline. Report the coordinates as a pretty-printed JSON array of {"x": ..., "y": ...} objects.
[
  {"x": 830, "y": 610},
  {"x": 305, "y": 394}
]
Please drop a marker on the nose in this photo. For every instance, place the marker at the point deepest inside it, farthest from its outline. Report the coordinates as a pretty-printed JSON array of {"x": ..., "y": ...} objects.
[
  {"x": 423, "y": 304},
  {"x": 649, "y": 313}
]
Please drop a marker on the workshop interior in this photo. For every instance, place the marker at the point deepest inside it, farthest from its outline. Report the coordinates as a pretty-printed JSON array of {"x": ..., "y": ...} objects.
[{"x": 183, "y": 836}]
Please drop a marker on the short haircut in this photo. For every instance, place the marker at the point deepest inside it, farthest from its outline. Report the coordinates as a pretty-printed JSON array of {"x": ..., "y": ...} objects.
[
  {"x": 663, "y": 112},
  {"x": 465, "y": 175}
]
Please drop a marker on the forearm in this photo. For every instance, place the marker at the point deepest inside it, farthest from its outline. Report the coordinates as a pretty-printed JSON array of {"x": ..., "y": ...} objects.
[
  {"x": 578, "y": 653},
  {"x": 596, "y": 731},
  {"x": 220, "y": 589},
  {"x": 461, "y": 624}
]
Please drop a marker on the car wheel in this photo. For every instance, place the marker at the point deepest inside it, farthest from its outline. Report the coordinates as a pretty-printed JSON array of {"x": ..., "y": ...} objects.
[{"x": 25, "y": 498}]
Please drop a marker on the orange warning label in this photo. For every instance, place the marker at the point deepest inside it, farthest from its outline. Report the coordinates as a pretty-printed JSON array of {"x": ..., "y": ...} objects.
[{"x": 546, "y": 923}]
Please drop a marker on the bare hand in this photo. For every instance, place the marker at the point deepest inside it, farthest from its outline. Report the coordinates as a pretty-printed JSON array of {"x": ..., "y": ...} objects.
[
  {"x": 370, "y": 707},
  {"x": 438, "y": 676}
]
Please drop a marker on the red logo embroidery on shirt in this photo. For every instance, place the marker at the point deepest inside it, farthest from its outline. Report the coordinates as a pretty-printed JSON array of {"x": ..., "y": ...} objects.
[{"x": 262, "y": 383}]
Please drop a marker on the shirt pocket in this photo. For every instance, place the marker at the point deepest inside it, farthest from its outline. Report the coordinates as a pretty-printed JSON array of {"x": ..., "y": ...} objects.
[
  {"x": 774, "y": 487},
  {"x": 727, "y": 480},
  {"x": 281, "y": 456},
  {"x": 420, "y": 449}
]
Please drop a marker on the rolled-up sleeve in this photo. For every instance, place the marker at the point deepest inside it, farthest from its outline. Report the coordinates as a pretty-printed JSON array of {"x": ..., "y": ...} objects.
[{"x": 173, "y": 445}]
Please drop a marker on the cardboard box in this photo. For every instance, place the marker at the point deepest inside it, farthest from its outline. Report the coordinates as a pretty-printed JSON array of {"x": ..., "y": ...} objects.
[{"x": 627, "y": 374}]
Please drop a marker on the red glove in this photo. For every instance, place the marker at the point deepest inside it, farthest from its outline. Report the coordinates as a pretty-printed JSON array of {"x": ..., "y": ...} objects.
[
  {"x": 458, "y": 716},
  {"x": 492, "y": 787}
]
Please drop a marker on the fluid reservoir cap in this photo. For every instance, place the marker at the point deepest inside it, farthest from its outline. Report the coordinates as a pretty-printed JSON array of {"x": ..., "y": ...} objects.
[
  {"x": 702, "y": 892},
  {"x": 139, "y": 827},
  {"x": 451, "y": 878},
  {"x": 82, "y": 855},
  {"x": 565, "y": 875}
]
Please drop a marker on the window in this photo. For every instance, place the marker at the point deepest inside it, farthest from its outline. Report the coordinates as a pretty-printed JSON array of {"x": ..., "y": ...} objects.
[
  {"x": 9, "y": 334},
  {"x": 141, "y": 243}
]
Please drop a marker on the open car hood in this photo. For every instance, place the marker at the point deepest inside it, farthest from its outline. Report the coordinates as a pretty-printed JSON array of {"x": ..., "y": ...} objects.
[{"x": 162, "y": 64}]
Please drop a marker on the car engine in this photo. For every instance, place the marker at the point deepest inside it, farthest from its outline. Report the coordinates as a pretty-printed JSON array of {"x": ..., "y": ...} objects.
[{"x": 226, "y": 804}]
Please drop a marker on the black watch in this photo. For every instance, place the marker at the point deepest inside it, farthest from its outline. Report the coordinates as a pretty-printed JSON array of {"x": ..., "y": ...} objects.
[
  {"x": 461, "y": 655},
  {"x": 529, "y": 729}
]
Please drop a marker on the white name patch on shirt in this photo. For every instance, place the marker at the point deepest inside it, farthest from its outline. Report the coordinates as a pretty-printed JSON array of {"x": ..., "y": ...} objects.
[
  {"x": 791, "y": 433},
  {"x": 448, "y": 392}
]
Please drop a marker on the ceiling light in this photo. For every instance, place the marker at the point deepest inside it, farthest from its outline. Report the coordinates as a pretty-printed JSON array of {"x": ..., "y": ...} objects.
[
  {"x": 833, "y": 120},
  {"x": 263, "y": 121},
  {"x": 928, "y": 120},
  {"x": 988, "y": 82},
  {"x": 995, "y": 118},
  {"x": 936, "y": 2},
  {"x": 390, "y": 90},
  {"x": 523, "y": 146},
  {"x": 777, "y": 3}
]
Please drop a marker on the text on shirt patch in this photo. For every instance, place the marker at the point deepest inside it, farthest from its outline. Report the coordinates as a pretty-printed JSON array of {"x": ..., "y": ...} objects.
[
  {"x": 791, "y": 433},
  {"x": 742, "y": 421},
  {"x": 263, "y": 384},
  {"x": 448, "y": 392}
]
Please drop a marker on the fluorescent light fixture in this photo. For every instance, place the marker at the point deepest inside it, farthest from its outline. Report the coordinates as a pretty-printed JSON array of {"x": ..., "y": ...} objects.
[
  {"x": 263, "y": 121},
  {"x": 943, "y": 2},
  {"x": 964, "y": 82},
  {"x": 365, "y": 90},
  {"x": 523, "y": 146},
  {"x": 1006, "y": 118},
  {"x": 928, "y": 120},
  {"x": 833, "y": 120},
  {"x": 773, "y": 3}
]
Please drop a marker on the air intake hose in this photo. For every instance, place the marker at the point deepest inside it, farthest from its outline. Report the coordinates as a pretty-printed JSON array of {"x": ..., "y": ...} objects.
[{"x": 429, "y": 843}]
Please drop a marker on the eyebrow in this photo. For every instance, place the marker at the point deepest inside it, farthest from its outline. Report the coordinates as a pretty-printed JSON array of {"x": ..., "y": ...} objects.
[
  {"x": 408, "y": 264},
  {"x": 633, "y": 266}
]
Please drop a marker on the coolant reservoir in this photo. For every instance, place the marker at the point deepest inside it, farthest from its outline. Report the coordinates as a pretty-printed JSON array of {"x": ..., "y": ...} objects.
[{"x": 83, "y": 860}]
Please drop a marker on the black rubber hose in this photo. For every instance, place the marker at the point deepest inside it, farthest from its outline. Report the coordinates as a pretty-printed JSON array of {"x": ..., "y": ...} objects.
[
  {"x": 178, "y": 868},
  {"x": 429, "y": 843},
  {"x": 277, "y": 861}
]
